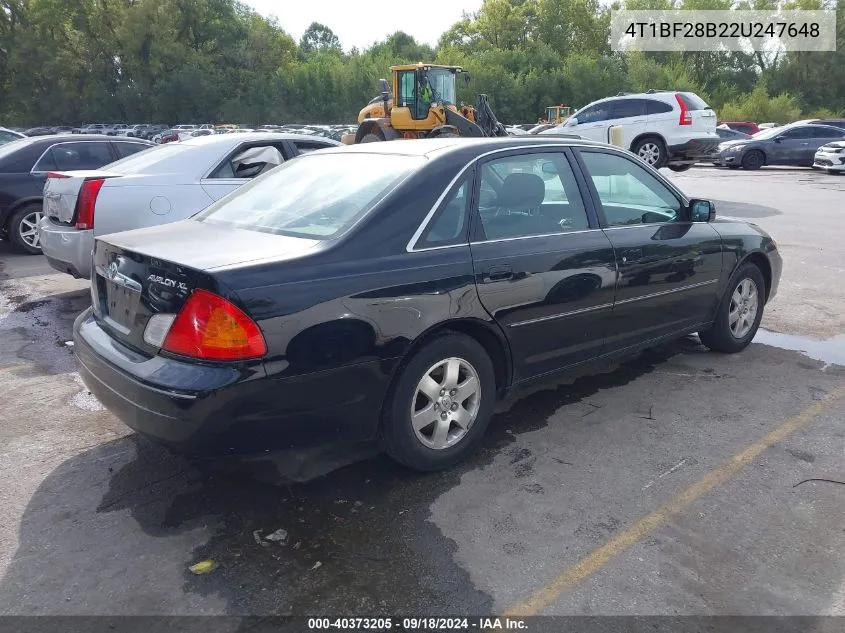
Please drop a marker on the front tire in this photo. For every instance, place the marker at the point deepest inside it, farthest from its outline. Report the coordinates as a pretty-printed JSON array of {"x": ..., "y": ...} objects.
[
  {"x": 23, "y": 229},
  {"x": 440, "y": 404},
  {"x": 753, "y": 160},
  {"x": 739, "y": 313}
]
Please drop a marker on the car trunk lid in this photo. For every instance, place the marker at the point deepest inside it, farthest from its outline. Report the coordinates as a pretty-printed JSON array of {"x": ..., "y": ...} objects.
[
  {"x": 62, "y": 189},
  {"x": 141, "y": 273}
]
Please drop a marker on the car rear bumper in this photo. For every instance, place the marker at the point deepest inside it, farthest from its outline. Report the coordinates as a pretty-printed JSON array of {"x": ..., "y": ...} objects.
[
  {"x": 219, "y": 410},
  {"x": 694, "y": 149},
  {"x": 67, "y": 249}
]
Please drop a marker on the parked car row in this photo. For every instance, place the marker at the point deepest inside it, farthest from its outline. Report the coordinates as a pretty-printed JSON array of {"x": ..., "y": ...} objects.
[
  {"x": 388, "y": 291},
  {"x": 159, "y": 186},
  {"x": 25, "y": 165},
  {"x": 794, "y": 144}
]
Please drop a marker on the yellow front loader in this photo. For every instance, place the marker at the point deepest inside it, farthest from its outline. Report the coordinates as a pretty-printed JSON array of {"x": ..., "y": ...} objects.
[{"x": 422, "y": 103}]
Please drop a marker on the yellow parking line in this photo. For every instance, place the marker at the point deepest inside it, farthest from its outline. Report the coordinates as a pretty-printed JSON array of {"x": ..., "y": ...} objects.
[{"x": 597, "y": 559}]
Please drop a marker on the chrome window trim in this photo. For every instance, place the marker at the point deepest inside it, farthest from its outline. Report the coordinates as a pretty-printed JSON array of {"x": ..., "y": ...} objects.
[
  {"x": 411, "y": 246},
  {"x": 68, "y": 142}
]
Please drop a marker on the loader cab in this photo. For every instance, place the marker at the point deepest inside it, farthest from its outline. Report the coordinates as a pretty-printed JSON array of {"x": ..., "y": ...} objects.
[
  {"x": 558, "y": 114},
  {"x": 417, "y": 87}
]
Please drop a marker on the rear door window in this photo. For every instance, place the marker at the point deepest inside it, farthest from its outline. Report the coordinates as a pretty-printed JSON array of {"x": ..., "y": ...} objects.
[
  {"x": 71, "y": 156},
  {"x": 303, "y": 147},
  {"x": 527, "y": 195},
  {"x": 826, "y": 132},
  {"x": 657, "y": 107},
  {"x": 627, "y": 108},
  {"x": 127, "y": 149}
]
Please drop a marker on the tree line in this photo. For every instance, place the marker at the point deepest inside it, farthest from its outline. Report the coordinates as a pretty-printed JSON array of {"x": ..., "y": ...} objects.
[{"x": 176, "y": 61}]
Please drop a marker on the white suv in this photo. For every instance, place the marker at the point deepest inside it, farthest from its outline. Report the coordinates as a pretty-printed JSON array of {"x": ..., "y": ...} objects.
[{"x": 663, "y": 128}]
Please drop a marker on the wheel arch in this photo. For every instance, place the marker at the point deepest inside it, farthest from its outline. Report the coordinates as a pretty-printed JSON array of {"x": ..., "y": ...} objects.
[
  {"x": 379, "y": 127},
  {"x": 487, "y": 334},
  {"x": 646, "y": 135},
  {"x": 17, "y": 204},
  {"x": 760, "y": 260},
  {"x": 760, "y": 150}
]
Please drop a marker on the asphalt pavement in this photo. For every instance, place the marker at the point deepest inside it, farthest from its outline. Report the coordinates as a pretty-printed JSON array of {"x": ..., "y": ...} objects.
[{"x": 675, "y": 482}]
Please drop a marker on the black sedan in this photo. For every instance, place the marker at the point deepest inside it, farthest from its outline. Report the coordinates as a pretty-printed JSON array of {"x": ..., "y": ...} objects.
[
  {"x": 24, "y": 165},
  {"x": 794, "y": 144},
  {"x": 395, "y": 291}
]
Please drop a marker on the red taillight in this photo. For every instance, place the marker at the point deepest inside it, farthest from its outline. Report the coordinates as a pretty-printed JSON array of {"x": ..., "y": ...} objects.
[
  {"x": 212, "y": 328},
  {"x": 686, "y": 117},
  {"x": 55, "y": 174},
  {"x": 85, "y": 205}
]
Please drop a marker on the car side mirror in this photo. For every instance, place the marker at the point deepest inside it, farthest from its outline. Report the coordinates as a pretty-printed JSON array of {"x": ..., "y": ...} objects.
[
  {"x": 702, "y": 210},
  {"x": 572, "y": 121}
]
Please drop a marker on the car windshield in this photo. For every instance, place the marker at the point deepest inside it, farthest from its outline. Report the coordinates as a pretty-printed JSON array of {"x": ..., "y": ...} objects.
[
  {"x": 317, "y": 196},
  {"x": 769, "y": 133}
]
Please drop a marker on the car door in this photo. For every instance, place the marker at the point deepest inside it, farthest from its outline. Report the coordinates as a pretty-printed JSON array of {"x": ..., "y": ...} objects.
[
  {"x": 789, "y": 147},
  {"x": 669, "y": 267},
  {"x": 544, "y": 270},
  {"x": 630, "y": 115},
  {"x": 233, "y": 170},
  {"x": 592, "y": 122}
]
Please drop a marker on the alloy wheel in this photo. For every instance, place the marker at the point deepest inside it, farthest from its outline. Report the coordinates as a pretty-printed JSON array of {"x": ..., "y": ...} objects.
[
  {"x": 743, "y": 309},
  {"x": 446, "y": 403},
  {"x": 649, "y": 153},
  {"x": 28, "y": 229}
]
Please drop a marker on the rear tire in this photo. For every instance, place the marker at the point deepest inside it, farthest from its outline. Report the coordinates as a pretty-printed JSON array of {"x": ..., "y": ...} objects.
[
  {"x": 652, "y": 151},
  {"x": 23, "y": 229},
  {"x": 371, "y": 138},
  {"x": 434, "y": 432},
  {"x": 682, "y": 167},
  {"x": 753, "y": 160},
  {"x": 739, "y": 313}
]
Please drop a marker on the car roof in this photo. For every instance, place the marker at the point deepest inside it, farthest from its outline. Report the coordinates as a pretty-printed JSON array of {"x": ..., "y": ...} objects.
[
  {"x": 50, "y": 139},
  {"x": 237, "y": 137},
  {"x": 427, "y": 147}
]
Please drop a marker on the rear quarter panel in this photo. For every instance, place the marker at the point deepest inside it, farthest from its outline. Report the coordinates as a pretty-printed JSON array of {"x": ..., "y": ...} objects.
[{"x": 123, "y": 207}]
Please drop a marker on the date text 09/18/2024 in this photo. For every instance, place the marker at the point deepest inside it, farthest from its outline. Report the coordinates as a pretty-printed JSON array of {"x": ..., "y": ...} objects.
[{"x": 417, "y": 624}]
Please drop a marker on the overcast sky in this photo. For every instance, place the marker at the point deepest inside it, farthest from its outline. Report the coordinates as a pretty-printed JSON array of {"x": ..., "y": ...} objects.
[{"x": 361, "y": 25}]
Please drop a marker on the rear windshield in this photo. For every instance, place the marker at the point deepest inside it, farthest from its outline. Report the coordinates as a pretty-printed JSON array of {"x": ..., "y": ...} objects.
[
  {"x": 693, "y": 101},
  {"x": 317, "y": 196},
  {"x": 140, "y": 162}
]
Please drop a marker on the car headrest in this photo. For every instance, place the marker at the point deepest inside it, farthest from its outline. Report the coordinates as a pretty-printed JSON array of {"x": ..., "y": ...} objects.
[{"x": 522, "y": 191}]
